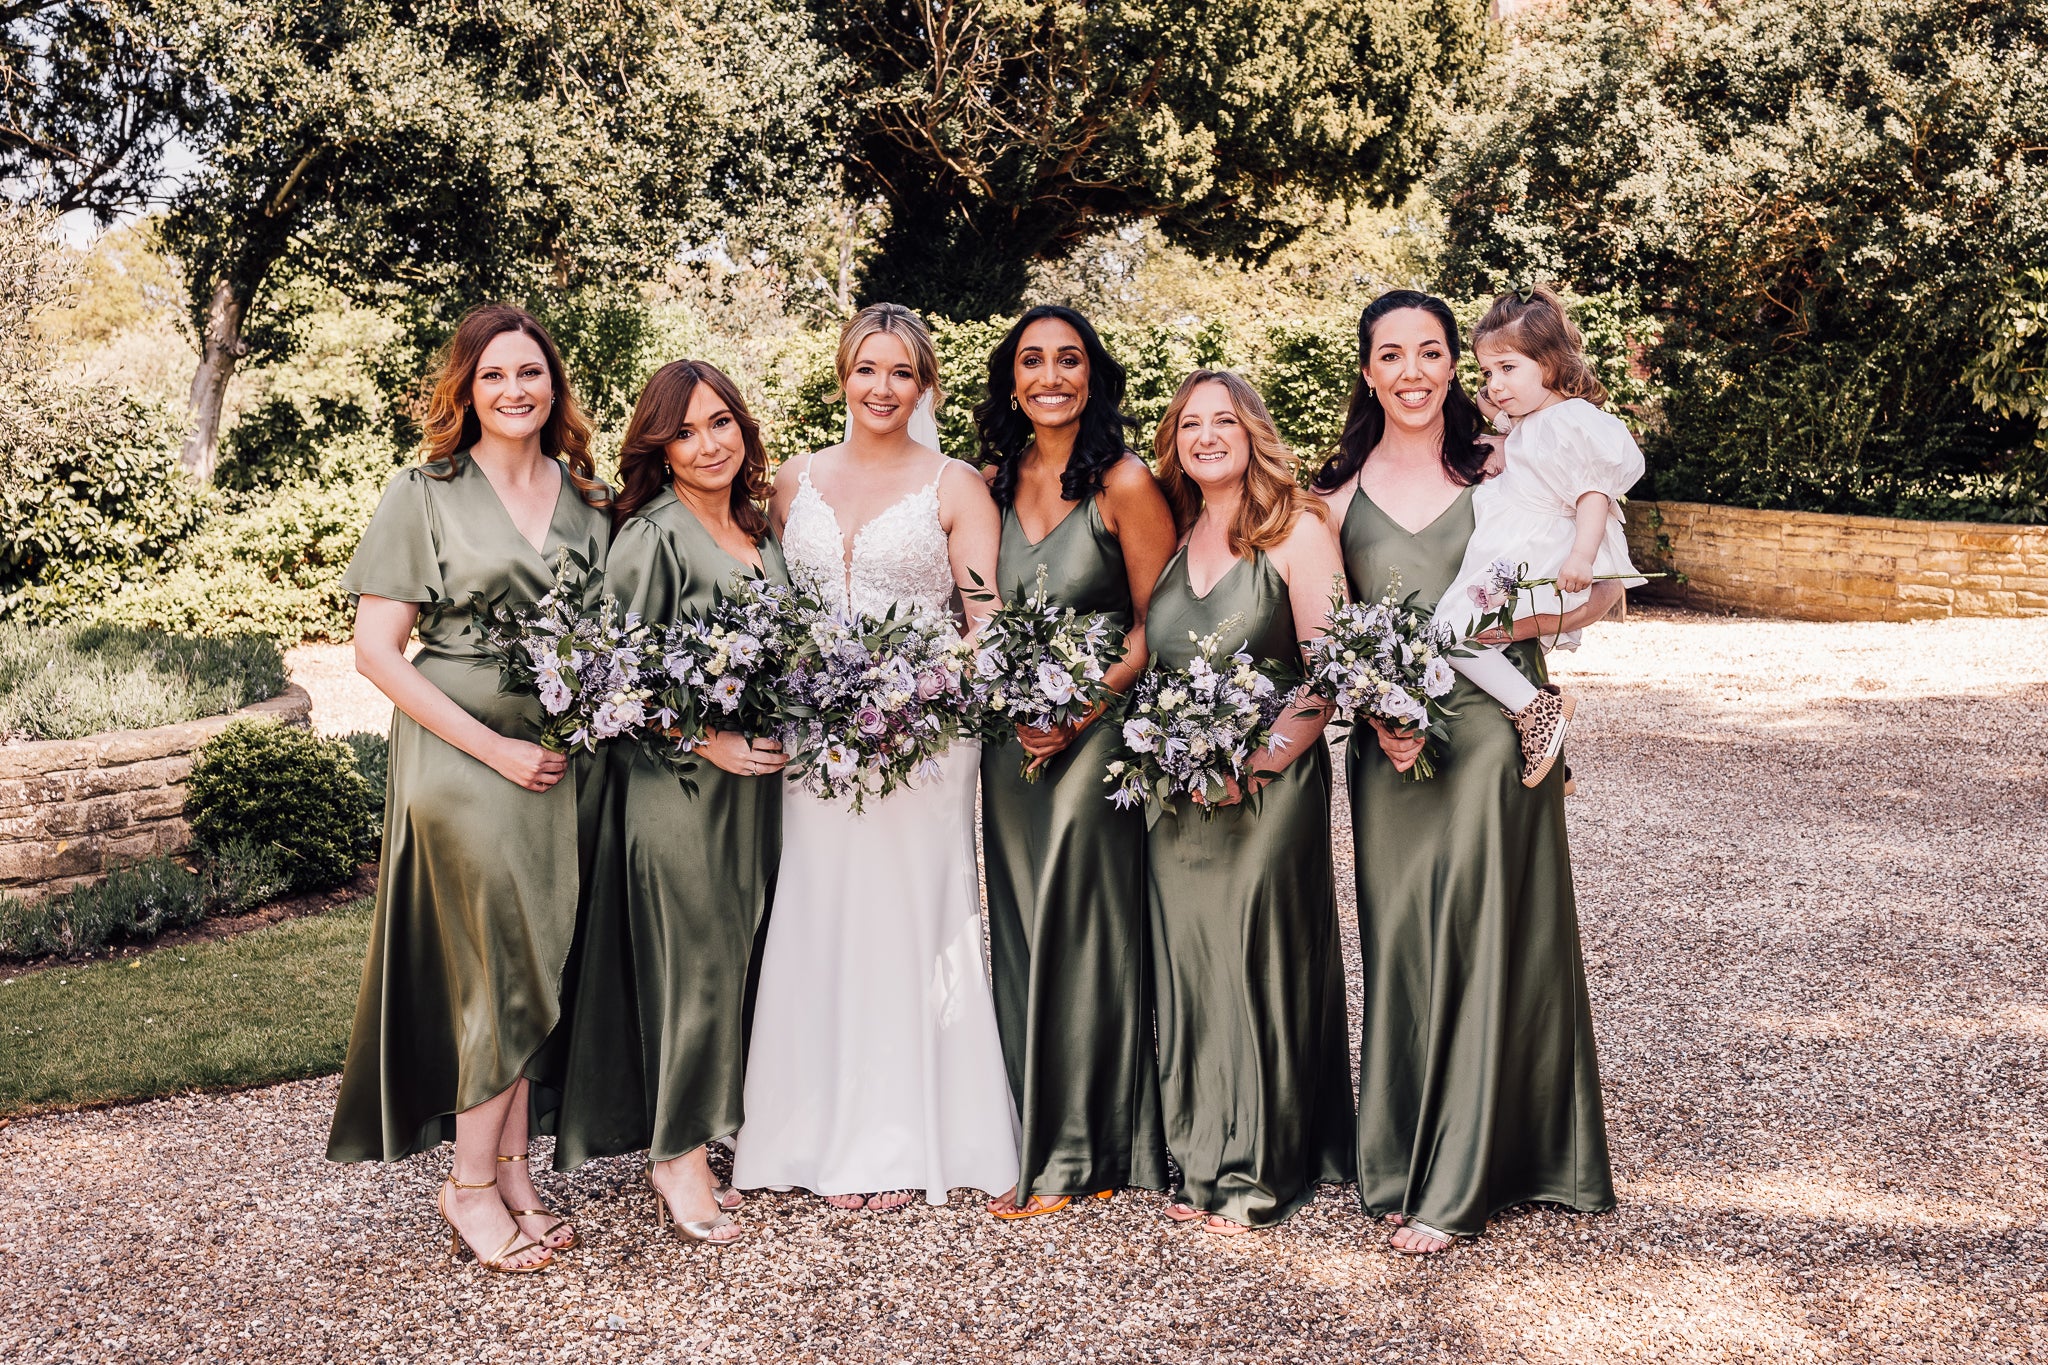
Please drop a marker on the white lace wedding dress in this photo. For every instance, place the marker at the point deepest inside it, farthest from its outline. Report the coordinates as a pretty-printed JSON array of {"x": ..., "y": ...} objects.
[{"x": 874, "y": 1063}]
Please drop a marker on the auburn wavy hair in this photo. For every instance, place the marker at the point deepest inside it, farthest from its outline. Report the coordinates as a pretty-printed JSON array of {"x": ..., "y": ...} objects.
[
  {"x": 658, "y": 419},
  {"x": 451, "y": 424},
  {"x": 1272, "y": 500},
  {"x": 1540, "y": 329}
]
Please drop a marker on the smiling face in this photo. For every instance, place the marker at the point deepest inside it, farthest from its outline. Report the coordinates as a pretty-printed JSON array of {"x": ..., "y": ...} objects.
[
  {"x": 512, "y": 391},
  {"x": 1051, "y": 373},
  {"x": 710, "y": 450},
  {"x": 1410, "y": 368},
  {"x": 881, "y": 385},
  {"x": 1513, "y": 382},
  {"x": 1210, "y": 439}
]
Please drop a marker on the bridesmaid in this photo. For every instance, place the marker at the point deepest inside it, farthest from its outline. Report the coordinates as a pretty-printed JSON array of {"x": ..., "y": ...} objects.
[
  {"x": 678, "y": 884},
  {"x": 1478, "y": 1086},
  {"x": 1254, "y": 1063},
  {"x": 476, "y": 899},
  {"x": 1065, "y": 869}
]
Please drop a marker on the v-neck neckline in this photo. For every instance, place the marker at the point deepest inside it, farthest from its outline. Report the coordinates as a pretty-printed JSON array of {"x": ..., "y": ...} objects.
[
  {"x": 540, "y": 551},
  {"x": 1073, "y": 511},
  {"x": 1187, "y": 571},
  {"x": 1358, "y": 494},
  {"x": 691, "y": 513}
]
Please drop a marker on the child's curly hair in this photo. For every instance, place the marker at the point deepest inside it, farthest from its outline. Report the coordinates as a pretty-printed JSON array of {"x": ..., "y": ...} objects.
[{"x": 1535, "y": 323}]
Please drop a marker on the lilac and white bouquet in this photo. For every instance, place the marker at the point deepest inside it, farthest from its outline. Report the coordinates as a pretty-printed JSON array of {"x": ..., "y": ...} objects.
[
  {"x": 872, "y": 702},
  {"x": 1041, "y": 665},
  {"x": 1497, "y": 594},
  {"x": 1388, "y": 660},
  {"x": 1191, "y": 731},
  {"x": 583, "y": 662},
  {"x": 722, "y": 669}
]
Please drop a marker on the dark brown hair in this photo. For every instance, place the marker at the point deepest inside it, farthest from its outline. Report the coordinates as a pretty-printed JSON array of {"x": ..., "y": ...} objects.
[
  {"x": 451, "y": 423},
  {"x": 1272, "y": 500},
  {"x": 658, "y": 419},
  {"x": 1538, "y": 326},
  {"x": 1365, "y": 420}
]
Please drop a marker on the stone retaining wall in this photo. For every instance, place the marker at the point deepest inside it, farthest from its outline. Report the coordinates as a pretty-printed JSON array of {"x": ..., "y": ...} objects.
[
  {"x": 70, "y": 808},
  {"x": 1820, "y": 567}
]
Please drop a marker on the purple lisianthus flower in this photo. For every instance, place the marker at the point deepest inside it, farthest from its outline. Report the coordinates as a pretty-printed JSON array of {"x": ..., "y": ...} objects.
[{"x": 870, "y": 720}]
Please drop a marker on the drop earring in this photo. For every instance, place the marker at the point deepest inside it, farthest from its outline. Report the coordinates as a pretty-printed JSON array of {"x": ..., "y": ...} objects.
[{"x": 1013, "y": 402}]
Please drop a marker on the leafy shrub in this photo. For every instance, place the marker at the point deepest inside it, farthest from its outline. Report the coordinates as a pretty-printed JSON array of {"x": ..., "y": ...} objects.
[
  {"x": 285, "y": 790},
  {"x": 373, "y": 761},
  {"x": 274, "y": 563},
  {"x": 101, "y": 509},
  {"x": 1828, "y": 207},
  {"x": 139, "y": 902},
  {"x": 61, "y": 682}
]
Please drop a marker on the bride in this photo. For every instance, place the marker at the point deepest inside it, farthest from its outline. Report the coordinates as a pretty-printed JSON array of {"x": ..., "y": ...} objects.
[{"x": 874, "y": 1069}]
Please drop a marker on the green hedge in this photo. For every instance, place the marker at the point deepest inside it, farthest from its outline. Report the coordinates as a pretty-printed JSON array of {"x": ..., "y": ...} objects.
[
  {"x": 297, "y": 794},
  {"x": 139, "y": 902}
]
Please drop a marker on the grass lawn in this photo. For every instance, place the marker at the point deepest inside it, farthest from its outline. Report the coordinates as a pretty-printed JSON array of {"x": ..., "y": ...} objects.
[{"x": 270, "y": 1005}]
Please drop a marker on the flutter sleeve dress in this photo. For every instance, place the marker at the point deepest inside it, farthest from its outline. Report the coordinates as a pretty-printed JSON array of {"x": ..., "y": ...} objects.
[
  {"x": 477, "y": 882},
  {"x": 1066, "y": 909},
  {"x": 653, "y": 1047},
  {"x": 1254, "y": 1061},
  {"x": 1478, "y": 1085}
]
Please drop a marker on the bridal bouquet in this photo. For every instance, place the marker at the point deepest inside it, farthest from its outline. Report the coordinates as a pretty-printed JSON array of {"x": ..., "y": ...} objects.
[
  {"x": 1386, "y": 659},
  {"x": 722, "y": 669},
  {"x": 872, "y": 702},
  {"x": 1189, "y": 731},
  {"x": 584, "y": 665},
  {"x": 1041, "y": 665}
]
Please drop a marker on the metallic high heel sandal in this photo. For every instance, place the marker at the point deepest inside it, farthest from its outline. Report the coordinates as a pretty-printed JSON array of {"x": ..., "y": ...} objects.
[
  {"x": 559, "y": 1223},
  {"x": 514, "y": 1244},
  {"x": 728, "y": 1198},
  {"x": 701, "y": 1231}
]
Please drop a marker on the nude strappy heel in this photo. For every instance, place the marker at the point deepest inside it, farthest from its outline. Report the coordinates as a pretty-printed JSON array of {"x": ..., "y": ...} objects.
[
  {"x": 574, "y": 1240},
  {"x": 514, "y": 1244},
  {"x": 702, "y": 1230}
]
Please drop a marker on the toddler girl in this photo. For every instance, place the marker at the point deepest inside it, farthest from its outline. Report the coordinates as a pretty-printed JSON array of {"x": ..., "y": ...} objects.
[{"x": 1554, "y": 509}]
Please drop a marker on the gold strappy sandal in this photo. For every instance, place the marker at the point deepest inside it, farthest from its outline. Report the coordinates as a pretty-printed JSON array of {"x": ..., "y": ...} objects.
[
  {"x": 702, "y": 1231},
  {"x": 574, "y": 1240},
  {"x": 514, "y": 1244}
]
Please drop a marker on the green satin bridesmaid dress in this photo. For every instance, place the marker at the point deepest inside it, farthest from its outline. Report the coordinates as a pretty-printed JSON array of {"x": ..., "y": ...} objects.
[
  {"x": 652, "y": 1051},
  {"x": 1478, "y": 1087},
  {"x": 1254, "y": 1054},
  {"x": 1066, "y": 907},
  {"x": 477, "y": 887}
]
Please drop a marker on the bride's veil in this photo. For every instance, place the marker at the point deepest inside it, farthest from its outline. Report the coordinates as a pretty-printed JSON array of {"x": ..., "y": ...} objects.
[{"x": 924, "y": 424}]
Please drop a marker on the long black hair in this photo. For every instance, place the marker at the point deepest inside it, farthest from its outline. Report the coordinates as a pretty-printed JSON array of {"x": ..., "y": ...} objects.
[
  {"x": 1365, "y": 421},
  {"x": 1005, "y": 431}
]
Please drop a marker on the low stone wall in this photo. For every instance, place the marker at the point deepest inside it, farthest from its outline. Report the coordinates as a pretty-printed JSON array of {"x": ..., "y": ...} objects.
[
  {"x": 1821, "y": 567},
  {"x": 70, "y": 808}
]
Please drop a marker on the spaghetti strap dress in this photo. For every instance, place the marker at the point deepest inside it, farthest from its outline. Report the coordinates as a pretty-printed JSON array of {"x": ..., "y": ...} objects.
[
  {"x": 1067, "y": 912},
  {"x": 1478, "y": 1085},
  {"x": 1254, "y": 1055}
]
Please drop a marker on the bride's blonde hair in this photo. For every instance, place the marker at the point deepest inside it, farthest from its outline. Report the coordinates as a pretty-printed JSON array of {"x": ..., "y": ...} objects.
[{"x": 897, "y": 321}]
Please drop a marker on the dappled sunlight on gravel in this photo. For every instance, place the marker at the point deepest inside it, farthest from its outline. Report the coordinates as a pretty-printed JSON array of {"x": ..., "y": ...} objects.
[{"x": 1809, "y": 868}]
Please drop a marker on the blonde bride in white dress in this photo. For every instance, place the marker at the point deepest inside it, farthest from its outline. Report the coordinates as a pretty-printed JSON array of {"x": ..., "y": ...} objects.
[{"x": 874, "y": 1070}]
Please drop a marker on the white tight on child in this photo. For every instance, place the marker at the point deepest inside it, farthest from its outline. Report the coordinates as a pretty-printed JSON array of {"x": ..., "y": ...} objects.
[{"x": 1490, "y": 671}]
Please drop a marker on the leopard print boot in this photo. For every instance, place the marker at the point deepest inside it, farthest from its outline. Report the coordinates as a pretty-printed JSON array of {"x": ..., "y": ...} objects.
[{"x": 1542, "y": 724}]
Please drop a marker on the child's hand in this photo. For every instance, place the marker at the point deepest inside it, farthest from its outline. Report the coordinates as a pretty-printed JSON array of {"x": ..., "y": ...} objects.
[
  {"x": 1496, "y": 456},
  {"x": 1576, "y": 575}
]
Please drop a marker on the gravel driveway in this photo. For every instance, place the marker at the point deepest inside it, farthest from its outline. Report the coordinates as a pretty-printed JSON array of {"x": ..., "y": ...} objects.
[{"x": 1814, "y": 926}]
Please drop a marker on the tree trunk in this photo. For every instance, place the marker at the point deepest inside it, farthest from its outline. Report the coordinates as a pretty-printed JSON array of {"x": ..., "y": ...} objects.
[{"x": 220, "y": 347}]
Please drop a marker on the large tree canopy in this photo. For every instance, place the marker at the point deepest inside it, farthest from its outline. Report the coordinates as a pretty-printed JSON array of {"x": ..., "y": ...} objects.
[
  {"x": 1002, "y": 132},
  {"x": 439, "y": 153},
  {"x": 1833, "y": 205}
]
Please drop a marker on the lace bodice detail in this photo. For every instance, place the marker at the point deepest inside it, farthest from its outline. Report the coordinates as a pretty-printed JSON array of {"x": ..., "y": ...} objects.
[{"x": 899, "y": 558}]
